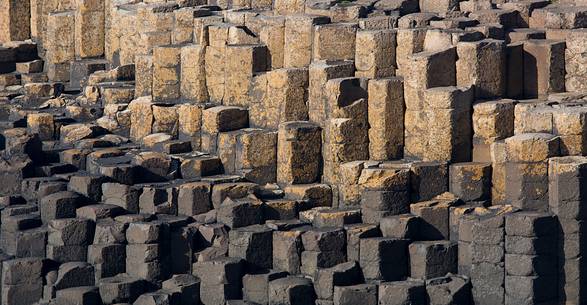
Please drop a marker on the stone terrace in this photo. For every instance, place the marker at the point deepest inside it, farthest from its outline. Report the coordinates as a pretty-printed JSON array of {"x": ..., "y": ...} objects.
[{"x": 293, "y": 152}]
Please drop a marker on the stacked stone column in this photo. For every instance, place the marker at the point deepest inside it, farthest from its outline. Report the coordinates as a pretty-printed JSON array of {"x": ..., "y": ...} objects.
[
  {"x": 575, "y": 58},
  {"x": 384, "y": 258},
  {"x": 128, "y": 34},
  {"x": 386, "y": 119},
  {"x": 249, "y": 152},
  {"x": 60, "y": 45},
  {"x": 38, "y": 22},
  {"x": 287, "y": 250},
  {"x": 144, "y": 251},
  {"x": 515, "y": 75},
  {"x": 471, "y": 181},
  {"x": 384, "y": 192},
  {"x": 273, "y": 35},
  {"x": 492, "y": 121},
  {"x": 89, "y": 29},
  {"x": 531, "y": 269},
  {"x": 570, "y": 124},
  {"x": 220, "y": 119},
  {"x": 108, "y": 249},
  {"x": 42, "y": 124},
  {"x": 488, "y": 256},
  {"x": 284, "y": 7},
  {"x": 109, "y": 7},
  {"x": 567, "y": 187},
  {"x": 346, "y": 137},
  {"x": 183, "y": 26},
  {"x": 323, "y": 248},
  {"x": 298, "y": 153},
  {"x": 64, "y": 247},
  {"x": 320, "y": 73},
  {"x": 334, "y": 41},
  {"x": 409, "y": 42},
  {"x": 299, "y": 32},
  {"x": 432, "y": 259},
  {"x": 472, "y": 67},
  {"x": 527, "y": 169},
  {"x": 190, "y": 123},
  {"x": 464, "y": 238},
  {"x": 498, "y": 173},
  {"x": 254, "y": 244},
  {"x": 245, "y": 60},
  {"x": 422, "y": 71},
  {"x": 544, "y": 67},
  {"x": 154, "y": 27},
  {"x": 375, "y": 53},
  {"x": 215, "y": 61},
  {"x": 221, "y": 279},
  {"x": 22, "y": 234},
  {"x": 533, "y": 116},
  {"x": 283, "y": 98},
  {"x": 15, "y": 20},
  {"x": 200, "y": 28},
  {"x": 348, "y": 191},
  {"x": 166, "y": 73},
  {"x": 448, "y": 129},
  {"x": 22, "y": 280},
  {"x": 141, "y": 117},
  {"x": 165, "y": 119},
  {"x": 143, "y": 75},
  {"x": 193, "y": 73}
]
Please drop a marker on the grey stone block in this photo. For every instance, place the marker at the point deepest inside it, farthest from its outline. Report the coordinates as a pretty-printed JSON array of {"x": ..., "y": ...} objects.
[
  {"x": 530, "y": 265},
  {"x": 144, "y": 232},
  {"x": 121, "y": 288},
  {"x": 185, "y": 286},
  {"x": 384, "y": 258},
  {"x": 96, "y": 212},
  {"x": 470, "y": 181},
  {"x": 253, "y": 244},
  {"x": 391, "y": 201},
  {"x": 402, "y": 292},
  {"x": 354, "y": 234},
  {"x": 431, "y": 259},
  {"x": 314, "y": 260},
  {"x": 428, "y": 180},
  {"x": 356, "y": 294},
  {"x": 121, "y": 195},
  {"x": 108, "y": 259},
  {"x": 109, "y": 231},
  {"x": 71, "y": 232},
  {"x": 405, "y": 226},
  {"x": 291, "y": 290},
  {"x": 74, "y": 274},
  {"x": 85, "y": 295},
  {"x": 240, "y": 213},
  {"x": 225, "y": 270},
  {"x": 88, "y": 185},
  {"x": 325, "y": 239},
  {"x": 59, "y": 205},
  {"x": 256, "y": 286},
  {"x": 530, "y": 224},
  {"x": 64, "y": 254},
  {"x": 451, "y": 289},
  {"x": 287, "y": 250},
  {"x": 344, "y": 274}
]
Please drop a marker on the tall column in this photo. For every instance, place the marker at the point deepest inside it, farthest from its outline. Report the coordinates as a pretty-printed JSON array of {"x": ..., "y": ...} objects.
[
  {"x": 15, "y": 16},
  {"x": 568, "y": 201}
]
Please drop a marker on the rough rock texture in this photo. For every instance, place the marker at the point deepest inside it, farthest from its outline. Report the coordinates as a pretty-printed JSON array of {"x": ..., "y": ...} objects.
[{"x": 303, "y": 152}]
